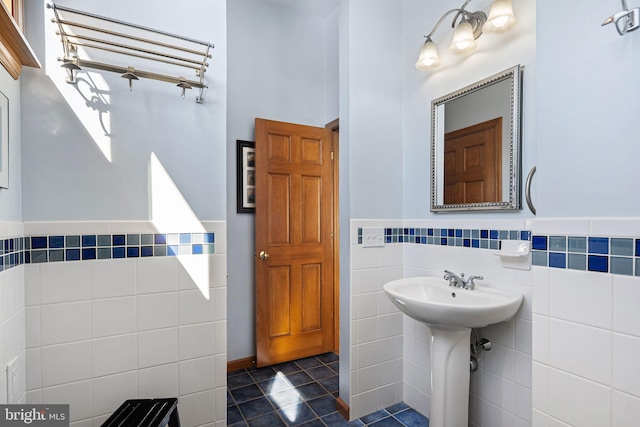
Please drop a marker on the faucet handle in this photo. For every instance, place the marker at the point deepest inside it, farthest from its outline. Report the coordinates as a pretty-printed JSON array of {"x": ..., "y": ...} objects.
[
  {"x": 470, "y": 281},
  {"x": 452, "y": 278}
]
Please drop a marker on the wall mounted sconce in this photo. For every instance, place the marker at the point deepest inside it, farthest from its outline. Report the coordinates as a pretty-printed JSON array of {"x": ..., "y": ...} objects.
[
  {"x": 467, "y": 31},
  {"x": 625, "y": 21}
]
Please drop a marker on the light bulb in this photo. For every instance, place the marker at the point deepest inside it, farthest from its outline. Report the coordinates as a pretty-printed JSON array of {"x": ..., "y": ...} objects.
[
  {"x": 463, "y": 40},
  {"x": 501, "y": 17},
  {"x": 428, "y": 56}
]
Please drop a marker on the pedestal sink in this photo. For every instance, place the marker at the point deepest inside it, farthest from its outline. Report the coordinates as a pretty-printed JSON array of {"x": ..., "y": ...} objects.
[{"x": 450, "y": 313}]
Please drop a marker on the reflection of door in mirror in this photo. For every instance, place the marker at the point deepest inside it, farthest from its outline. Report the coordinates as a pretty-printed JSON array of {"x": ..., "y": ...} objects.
[{"x": 473, "y": 164}]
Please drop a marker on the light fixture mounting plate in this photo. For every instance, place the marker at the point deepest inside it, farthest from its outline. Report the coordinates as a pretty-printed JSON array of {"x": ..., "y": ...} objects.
[{"x": 477, "y": 20}]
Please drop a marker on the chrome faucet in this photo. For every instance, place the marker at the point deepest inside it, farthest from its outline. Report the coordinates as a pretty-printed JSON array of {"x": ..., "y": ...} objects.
[
  {"x": 460, "y": 282},
  {"x": 453, "y": 279}
]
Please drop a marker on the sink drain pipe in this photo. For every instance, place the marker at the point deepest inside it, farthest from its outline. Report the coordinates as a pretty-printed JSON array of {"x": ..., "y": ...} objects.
[
  {"x": 476, "y": 346},
  {"x": 473, "y": 364}
]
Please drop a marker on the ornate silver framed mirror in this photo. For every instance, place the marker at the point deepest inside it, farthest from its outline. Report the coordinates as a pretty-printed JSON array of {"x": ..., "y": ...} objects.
[{"x": 476, "y": 146}]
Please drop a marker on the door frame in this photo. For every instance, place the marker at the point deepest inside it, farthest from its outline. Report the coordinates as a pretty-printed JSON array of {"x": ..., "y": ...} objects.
[
  {"x": 248, "y": 362},
  {"x": 334, "y": 126}
]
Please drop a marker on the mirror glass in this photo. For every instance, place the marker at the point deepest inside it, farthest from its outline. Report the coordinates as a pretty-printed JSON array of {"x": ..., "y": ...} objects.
[{"x": 475, "y": 150}]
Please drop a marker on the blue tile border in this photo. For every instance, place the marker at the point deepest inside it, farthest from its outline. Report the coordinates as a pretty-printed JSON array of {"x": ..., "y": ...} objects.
[
  {"x": 67, "y": 248},
  {"x": 470, "y": 238},
  {"x": 602, "y": 254},
  {"x": 451, "y": 236}
]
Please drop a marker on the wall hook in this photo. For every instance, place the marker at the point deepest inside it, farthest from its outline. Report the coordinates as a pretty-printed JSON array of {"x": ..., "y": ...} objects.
[
  {"x": 131, "y": 76},
  {"x": 626, "y": 20},
  {"x": 184, "y": 85},
  {"x": 70, "y": 67}
]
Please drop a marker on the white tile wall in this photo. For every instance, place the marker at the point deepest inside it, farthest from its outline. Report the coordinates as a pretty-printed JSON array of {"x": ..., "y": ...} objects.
[
  {"x": 586, "y": 338},
  {"x": 113, "y": 355},
  {"x": 157, "y": 347},
  {"x": 61, "y": 323},
  {"x": 569, "y": 358},
  {"x": 104, "y": 331},
  {"x": 12, "y": 320},
  {"x": 79, "y": 396},
  {"x": 501, "y": 390},
  {"x": 578, "y": 401},
  {"x": 107, "y": 391},
  {"x": 626, "y": 316},
  {"x": 376, "y": 327},
  {"x": 571, "y": 311},
  {"x": 158, "y": 381}
]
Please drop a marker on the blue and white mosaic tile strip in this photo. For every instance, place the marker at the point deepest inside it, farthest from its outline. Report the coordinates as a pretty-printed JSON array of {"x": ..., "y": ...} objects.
[
  {"x": 11, "y": 252},
  {"x": 614, "y": 255},
  {"x": 83, "y": 247},
  {"x": 470, "y": 238}
]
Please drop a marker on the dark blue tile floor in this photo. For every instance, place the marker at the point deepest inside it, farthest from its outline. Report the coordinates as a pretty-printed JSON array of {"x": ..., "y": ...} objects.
[{"x": 301, "y": 393}]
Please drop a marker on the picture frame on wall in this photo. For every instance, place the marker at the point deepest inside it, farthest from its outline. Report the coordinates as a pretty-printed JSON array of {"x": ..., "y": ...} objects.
[
  {"x": 246, "y": 167},
  {"x": 4, "y": 141}
]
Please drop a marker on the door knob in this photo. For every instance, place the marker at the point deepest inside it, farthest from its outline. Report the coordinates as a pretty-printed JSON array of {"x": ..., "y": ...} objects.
[{"x": 264, "y": 255}]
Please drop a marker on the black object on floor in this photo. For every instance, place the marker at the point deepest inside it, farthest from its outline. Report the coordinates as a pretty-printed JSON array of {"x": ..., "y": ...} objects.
[{"x": 145, "y": 413}]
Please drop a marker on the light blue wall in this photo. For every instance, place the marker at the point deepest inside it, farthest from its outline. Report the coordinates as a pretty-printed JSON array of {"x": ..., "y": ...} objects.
[
  {"x": 374, "y": 83},
  {"x": 494, "y": 53},
  {"x": 332, "y": 107},
  {"x": 370, "y": 135},
  {"x": 11, "y": 198},
  {"x": 588, "y": 112},
  {"x": 345, "y": 197},
  {"x": 65, "y": 174},
  {"x": 282, "y": 66}
]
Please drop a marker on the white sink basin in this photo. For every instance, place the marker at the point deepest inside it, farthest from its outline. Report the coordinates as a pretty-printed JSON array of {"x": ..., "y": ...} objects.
[{"x": 431, "y": 300}]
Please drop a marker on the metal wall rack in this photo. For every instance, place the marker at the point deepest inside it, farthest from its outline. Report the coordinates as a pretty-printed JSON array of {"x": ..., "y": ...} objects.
[{"x": 83, "y": 32}]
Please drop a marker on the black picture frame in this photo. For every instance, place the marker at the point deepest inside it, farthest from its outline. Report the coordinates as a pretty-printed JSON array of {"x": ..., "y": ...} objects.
[{"x": 246, "y": 173}]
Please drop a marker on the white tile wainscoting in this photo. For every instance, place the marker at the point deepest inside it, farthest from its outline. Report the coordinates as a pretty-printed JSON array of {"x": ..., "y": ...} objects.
[
  {"x": 567, "y": 358},
  {"x": 12, "y": 320},
  {"x": 101, "y": 331},
  {"x": 376, "y": 364}
]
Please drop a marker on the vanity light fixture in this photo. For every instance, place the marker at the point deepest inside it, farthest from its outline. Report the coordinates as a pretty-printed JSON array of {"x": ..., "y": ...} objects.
[{"x": 467, "y": 31}]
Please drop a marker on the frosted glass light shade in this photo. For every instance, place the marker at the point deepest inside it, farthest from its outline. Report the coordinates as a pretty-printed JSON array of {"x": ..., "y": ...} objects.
[
  {"x": 463, "y": 40},
  {"x": 428, "y": 56},
  {"x": 501, "y": 17}
]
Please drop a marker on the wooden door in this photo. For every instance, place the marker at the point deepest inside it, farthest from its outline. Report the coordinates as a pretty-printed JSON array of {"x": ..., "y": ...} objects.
[
  {"x": 473, "y": 164},
  {"x": 294, "y": 242}
]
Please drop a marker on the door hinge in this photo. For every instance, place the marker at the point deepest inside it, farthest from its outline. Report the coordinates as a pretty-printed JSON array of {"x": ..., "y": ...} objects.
[{"x": 332, "y": 155}]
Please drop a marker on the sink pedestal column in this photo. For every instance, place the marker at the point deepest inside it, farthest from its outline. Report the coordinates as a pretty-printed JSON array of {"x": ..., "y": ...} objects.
[{"x": 450, "y": 353}]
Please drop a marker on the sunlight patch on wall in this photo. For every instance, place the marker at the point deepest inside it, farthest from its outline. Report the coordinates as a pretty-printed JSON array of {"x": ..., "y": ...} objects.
[
  {"x": 171, "y": 213},
  {"x": 88, "y": 98}
]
